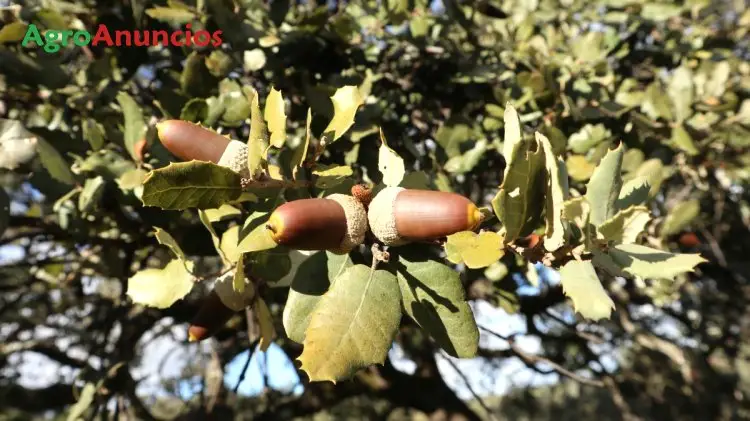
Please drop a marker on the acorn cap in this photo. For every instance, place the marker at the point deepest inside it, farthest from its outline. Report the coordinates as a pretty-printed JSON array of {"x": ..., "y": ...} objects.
[
  {"x": 382, "y": 219},
  {"x": 356, "y": 222},
  {"x": 231, "y": 298},
  {"x": 189, "y": 141}
]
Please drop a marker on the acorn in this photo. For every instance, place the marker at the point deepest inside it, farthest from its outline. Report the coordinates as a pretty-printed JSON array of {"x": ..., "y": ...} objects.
[
  {"x": 211, "y": 317},
  {"x": 336, "y": 223},
  {"x": 399, "y": 216},
  {"x": 189, "y": 141},
  {"x": 220, "y": 305}
]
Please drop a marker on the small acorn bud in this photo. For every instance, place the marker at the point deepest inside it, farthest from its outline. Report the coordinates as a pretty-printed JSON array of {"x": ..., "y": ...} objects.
[
  {"x": 211, "y": 316},
  {"x": 398, "y": 216},
  {"x": 336, "y": 223},
  {"x": 189, "y": 141}
]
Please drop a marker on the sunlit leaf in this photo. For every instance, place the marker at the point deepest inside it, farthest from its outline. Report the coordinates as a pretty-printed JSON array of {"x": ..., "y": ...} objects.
[
  {"x": 513, "y": 135},
  {"x": 475, "y": 250},
  {"x": 53, "y": 162},
  {"x": 85, "y": 399},
  {"x": 625, "y": 225},
  {"x": 556, "y": 194},
  {"x": 647, "y": 262},
  {"x": 275, "y": 116},
  {"x": 330, "y": 176},
  {"x": 603, "y": 188},
  {"x": 680, "y": 216},
  {"x": 301, "y": 152},
  {"x": 160, "y": 288},
  {"x": 353, "y": 325},
  {"x": 390, "y": 164},
  {"x": 582, "y": 285},
  {"x": 173, "y": 15},
  {"x": 257, "y": 142},
  {"x": 346, "y": 100}
]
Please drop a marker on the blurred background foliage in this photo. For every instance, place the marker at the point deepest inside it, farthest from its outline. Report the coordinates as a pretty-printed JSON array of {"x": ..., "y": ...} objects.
[{"x": 670, "y": 79}]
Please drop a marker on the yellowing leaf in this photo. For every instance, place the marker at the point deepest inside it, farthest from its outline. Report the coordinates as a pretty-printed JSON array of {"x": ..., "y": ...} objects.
[
  {"x": 583, "y": 287},
  {"x": 221, "y": 213},
  {"x": 254, "y": 236},
  {"x": 230, "y": 242},
  {"x": 276, "y": 117},
  {"x": 353, "y": 324},
  {"x": 194, "y": 184},
  {"x": 238, "y": 281},
  {"x": 160, "y": 288},
  {"x": 173, "y": 15},
  {"x": 434, "y": 298},
  {"x": 579, "y": 168},
  {"x": 556, "y": 194},
  {"x": 132, "y": 179},
  {"x": 626, "y": 225},
  {"x": 346, "y": 101},
  {"x": 646, "y": 262},
  {"x": 475, "y": 250},
  {"x": 390, "y": 164},
  {"x": 265, "y": 322},
  {"x": 603, "y": 188}
]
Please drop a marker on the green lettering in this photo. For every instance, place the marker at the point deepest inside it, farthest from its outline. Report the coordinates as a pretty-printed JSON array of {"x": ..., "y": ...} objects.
[
  {"x": 32, "y": 34},
  {"x": 51, "y": 46},
  {"x": 65, "y": 34},
  {"x": 81, "y": 38}
]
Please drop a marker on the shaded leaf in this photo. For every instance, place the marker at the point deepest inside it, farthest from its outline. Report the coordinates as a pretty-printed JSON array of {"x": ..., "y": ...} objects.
[
  {"x": 434, "y": 298},
  {"x": 581, "y": 284},
  {"x": 4, "y": 211},
  {"x": 301, "y": 152},
  {"x": 680, "y": 216},
  {"x": 230, "y": 242},
  {"x": 160, "y": 288},
  {"x": 91, "y": 194},
  {"x": 135, "y": 125},
  {"x": 265, "y": 322},
  {"x": 53, "y": 162},
  {"x": 633, "y": 193},
  {"x": 257, "y": 142},
  {"x": 13, "y": 32},
  {"x": 353, "y": 324},
  {"x": 214, "y": 236},
  {"x": 93, "y": 132},
  {"x": 194, "y": 184},
  {"x": 330, "y": 176},
  {"x": 513, "y": 135},
  {"x": 683, "y": 141}
]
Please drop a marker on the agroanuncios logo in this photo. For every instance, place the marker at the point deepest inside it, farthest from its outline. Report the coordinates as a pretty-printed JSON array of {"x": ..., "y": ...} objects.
[{"x": 52, "y": 40}]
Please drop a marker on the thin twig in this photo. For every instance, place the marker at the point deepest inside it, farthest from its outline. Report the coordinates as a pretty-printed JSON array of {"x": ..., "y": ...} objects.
[
  {"x": 476, "y": 396},
  {"x": 250, "y": 353}
]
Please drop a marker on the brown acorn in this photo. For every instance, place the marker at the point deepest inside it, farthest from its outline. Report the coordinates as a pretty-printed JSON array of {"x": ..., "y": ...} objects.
[
  {"x": 190, "y": 141},
  {"x": 336, "y": 223},
  {"x": 211, "y": 317},
  {"x": 398, "y": 216}
]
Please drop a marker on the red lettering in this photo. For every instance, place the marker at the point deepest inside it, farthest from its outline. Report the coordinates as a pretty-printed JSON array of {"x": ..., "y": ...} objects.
[
  {"x": 175, "y": 39},
  {"x": 217, "y": 38},
  {"x": 102, "y": 35},
  {"x": 202, "y": 34},
  {"x": 119, "y": 35},
  {"x": 155, "y": 35},
  {"x": 188, "y": 35},
  {"x": 140, "y": 38}
]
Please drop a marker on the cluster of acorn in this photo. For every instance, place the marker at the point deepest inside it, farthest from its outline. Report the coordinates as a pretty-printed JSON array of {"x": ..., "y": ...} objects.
[{"x": 337, "y": 223}]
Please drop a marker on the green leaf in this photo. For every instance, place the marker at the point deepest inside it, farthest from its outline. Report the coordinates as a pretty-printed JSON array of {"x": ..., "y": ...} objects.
[
  {"x": 257, "y": 142},
  {"x": 94, "y": 133},
  {"x": 311, "y": 280},
  {"x": 353, "y": 325},
  {"x": 556, "y": 195},
  {"x": 346, "y": 100},
  {"x": 646, "y": 262},
  {"x": 683, "y": 141},
  {"x": 171, "y": 15},
  {"x": 194, "y": 184},
  {"x": 660, "y": 11},
  {"x": 626, "y": 225},
  {"x": 53, "y": 162},
  {"x": 301, "y": 152},
  {"x": 4, "y": 211},
  {"x": 275, "y": 116},
  {"x": 513, "y": 136},
  {"x": 166, "y": 239},
  {"x": 588, "y": 137},
  {"x": 160, "y": 288},
  {"x": 390, "y": 164},
  {"x": 603, "y": 188},
  {"x": 13, "y": 32},
  {"x": 583, "y": 287},
  {"x": 452, "y": 134},
  {"x": 513, "y": 203},
  {"x": 681, "y": 92},
  {"x": 579, "y": 168},
  {"x": 229, "y": 243},
  {"x": 331, "y": 176},
  {"x": 85, "y": 399},
  {"x": 222, "y": 213},
  {"x": 91, "y": 194},
  {"x": 680, "y": 216},
  {"x": 238, "y": 280},
  {"x": 433, "y": 296},
  {"x": 132, "y": 179},
  {"x": 461, "y": 164},
  {"x": 135, "y": 126},
  {"x": 214, "y": 237},
  {"x": 633, "y": 193},
  {"x": 254, "y": 235},
  {"x": 653, "y": 171},
  {"x": 475, "y": 250}
]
